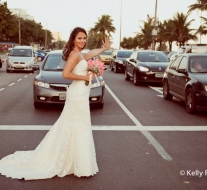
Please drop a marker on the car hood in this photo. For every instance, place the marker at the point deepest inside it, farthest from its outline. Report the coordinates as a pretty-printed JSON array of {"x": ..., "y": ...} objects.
[
  {"x": 54, "y": 77},
  {"x": 155, "y": 65},
  {"x": 20, "y": 59},
  {"x": 201, "y": 77}
]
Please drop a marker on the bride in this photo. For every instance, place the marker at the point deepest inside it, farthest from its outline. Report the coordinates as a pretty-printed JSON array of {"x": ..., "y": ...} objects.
[{"x": 68, "y": 147}]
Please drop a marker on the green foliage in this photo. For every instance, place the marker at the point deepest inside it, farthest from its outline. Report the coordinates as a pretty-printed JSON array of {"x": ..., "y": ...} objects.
[
  {"x": 30, "y": 30},
  {"x": 97, "y": 34}
]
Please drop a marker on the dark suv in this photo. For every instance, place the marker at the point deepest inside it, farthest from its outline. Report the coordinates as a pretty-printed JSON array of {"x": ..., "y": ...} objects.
[{"x": 118, "y": 60}]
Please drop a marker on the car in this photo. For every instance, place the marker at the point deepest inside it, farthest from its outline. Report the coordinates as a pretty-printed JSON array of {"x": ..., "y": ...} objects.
[
  {"x": 21, "y": 58},
  {"x": 186, "y": 84},
  {"x": 40, "y": 54},
  {"x": 105, "y": 57},
  {"x": 50, "y": 88},
  {"x": 146, "y": 66},
  {"x": 118, "y": 59},
  {"x": 0, "y": 63}
]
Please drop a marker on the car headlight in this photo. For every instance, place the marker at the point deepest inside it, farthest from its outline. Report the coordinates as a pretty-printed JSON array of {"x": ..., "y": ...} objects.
[
  {"x": 120, "y": 62},
  {"x": 144, "y": 69},
  {"x": 29, "y": 62},
  {"x": 42, "y": 84},
  {"x": 205, "y": 86}
]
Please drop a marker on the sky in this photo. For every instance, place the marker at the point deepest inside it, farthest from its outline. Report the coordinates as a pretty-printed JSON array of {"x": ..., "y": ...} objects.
[{"x": 64, "y": 15}]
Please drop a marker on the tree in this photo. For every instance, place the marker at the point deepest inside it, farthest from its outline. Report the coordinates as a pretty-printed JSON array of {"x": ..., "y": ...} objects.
[
  {"x": 103, "y": 28},
  {"x": 200, "y": 5},
  {"x": 129, "y": 43},
  {"x": 181, "y": 24}
]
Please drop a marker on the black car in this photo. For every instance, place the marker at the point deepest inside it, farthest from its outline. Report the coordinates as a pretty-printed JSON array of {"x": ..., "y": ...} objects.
[
  {"x": 146, "y": 66},
  {"x": 50, "y": 88},
  {"x": 118, "y": 59},
  {"x": 187, "y": 83}
]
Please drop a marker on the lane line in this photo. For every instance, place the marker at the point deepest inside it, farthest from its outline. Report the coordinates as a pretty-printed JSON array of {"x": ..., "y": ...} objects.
[
  {"x": 150, "y": 138},
  {"x": 111, "y": 128},
  {"x": 11, "y": 84},
  {"x": 19, "y": 80},
  {"x": 2, "y": 89},
  {"x": 158, "y": 89},
  {"x": 25, "y": 76}
]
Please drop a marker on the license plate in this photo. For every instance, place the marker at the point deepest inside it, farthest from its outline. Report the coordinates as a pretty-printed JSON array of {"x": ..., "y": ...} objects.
[
  {"x": 159, "y": 75},
  {"x": 62, "y": 96},
  {"x": 18, "y": 66}
]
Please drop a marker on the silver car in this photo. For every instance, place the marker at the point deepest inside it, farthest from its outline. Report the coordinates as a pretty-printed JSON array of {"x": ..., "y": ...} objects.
[
  {"x": 21, "y": 58},
  {"x": 50, "y": 88}
]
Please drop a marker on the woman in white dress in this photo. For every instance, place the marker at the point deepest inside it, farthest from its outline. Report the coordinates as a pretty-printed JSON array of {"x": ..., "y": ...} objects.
[{"x": 68, "y": 147}]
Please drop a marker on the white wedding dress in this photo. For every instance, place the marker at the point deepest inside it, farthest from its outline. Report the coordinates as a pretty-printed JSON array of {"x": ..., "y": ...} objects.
[{"x": 68, "y": 148}]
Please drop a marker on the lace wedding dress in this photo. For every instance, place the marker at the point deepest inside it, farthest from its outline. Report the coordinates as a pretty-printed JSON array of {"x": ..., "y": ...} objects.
[{"x": 68, "y": 148}]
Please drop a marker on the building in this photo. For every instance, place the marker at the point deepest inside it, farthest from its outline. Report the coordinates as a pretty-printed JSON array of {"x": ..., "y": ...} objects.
[
  {"x": 57, "y": 36},
  {"x": 21, "y": 13}
]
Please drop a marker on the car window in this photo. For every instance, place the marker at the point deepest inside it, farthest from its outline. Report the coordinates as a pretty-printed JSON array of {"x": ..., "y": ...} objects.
[
  {"x": 198, "y": 64},
  {"x": 152, "y": 57},
  {"x": 21, "y": 52},
  {"x": 124, "y": 54},
  {"x": 54, "y": 62},
  {"x": 183, "y": 63},
  {"x": 176, "y": 62}
]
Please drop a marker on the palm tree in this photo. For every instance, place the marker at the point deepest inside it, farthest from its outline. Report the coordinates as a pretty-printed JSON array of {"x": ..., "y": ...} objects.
[
  {"x": 199, "y": 5},
  {"x": 104, "y": 27},
  {"x": 181, "y": 23}
]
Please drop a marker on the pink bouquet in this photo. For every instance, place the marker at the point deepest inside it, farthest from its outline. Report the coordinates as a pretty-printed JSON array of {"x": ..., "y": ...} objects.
[{"x": 95, "y": 66}]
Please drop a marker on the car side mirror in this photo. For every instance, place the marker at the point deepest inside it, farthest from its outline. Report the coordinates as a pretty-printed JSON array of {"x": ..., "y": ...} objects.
[
  {"x": 114, "y": 56},
  {"x": 133, "y": 60}
]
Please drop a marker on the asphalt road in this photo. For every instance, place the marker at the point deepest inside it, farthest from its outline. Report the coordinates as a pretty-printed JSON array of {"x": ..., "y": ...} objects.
[{"x": 142, "y": 141}]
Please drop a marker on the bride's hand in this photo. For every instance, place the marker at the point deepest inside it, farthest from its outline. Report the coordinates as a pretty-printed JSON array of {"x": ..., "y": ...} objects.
[{"x": 106, "y": 43}]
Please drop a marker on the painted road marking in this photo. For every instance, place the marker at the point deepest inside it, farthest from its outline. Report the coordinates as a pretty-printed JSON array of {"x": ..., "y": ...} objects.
[
  {"x": 2, "y": 89},
  {"x": 19, "y": 80},
  {"x": 109, "y": 128},
  {"x": 11, "y": 84},
  {"x": 139, "y": 126}
]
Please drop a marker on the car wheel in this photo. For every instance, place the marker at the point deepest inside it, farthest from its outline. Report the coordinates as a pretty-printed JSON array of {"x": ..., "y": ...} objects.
[
  {"x": 111, "y": 65},
  {"x": 39, "y": 58},
  {"x": 166, "y": 94},
  {"x": 190, "y": 102},
  {"x": 126, "y": 76},
  {"x": 100, "y": 105},
  {"x": 135, "y": 81},
  {"x": 116, "y": 69},
  {"x": 37, "y": 105}
]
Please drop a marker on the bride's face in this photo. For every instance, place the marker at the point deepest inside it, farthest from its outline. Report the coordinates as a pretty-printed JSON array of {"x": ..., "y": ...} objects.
[{"x": 80, "y": 40}]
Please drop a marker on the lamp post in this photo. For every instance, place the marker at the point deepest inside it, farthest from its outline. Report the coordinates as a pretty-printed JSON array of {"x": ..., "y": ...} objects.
[
  {"x": 120, "y": 25},
  {"x": 19, "y": 30},
  {"x": 46, "y": 37},
  {"x": 154, "y": 31}
]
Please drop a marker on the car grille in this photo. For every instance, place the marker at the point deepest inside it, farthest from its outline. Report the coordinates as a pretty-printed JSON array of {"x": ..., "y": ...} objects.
[
  {"x": 58, "y": 87},
  {"x": 19, "y": 62}
]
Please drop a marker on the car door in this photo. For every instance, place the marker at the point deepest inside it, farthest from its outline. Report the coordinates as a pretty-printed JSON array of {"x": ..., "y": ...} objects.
[
  {"x": 181, "y": 79},
  {"x": 172, "y": 72}
]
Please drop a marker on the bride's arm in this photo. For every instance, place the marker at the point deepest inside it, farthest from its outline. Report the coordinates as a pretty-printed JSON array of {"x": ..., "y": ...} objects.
[
  {"x": 72, "y": 61},
  {"x": 95, "y": 52}
]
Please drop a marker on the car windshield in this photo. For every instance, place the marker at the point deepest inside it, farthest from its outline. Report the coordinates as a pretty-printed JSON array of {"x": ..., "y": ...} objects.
[
  {"x": 198, "y": 64},
  {"x": 54, "y": 63},
  {"x": 124, "y": 54},
  {"x": 152, "y": 57},
  {"x": 106, "y": 53},
  {"x": 21, "y": 52}
]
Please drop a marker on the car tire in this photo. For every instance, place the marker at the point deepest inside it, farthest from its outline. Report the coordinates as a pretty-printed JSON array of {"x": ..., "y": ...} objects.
[
  {"x": 135, "y": 81},
  {"x": 116, "y": 69},
  {"x": 190, "y": 102},
  {"x": 37, "y": 105},
  {"x": 39, "y": 58},
  {"x": 100, "y": 105},
  {"x": 111, "y": 65},
  {"x": 126, "y": 76},
  {"x": 166, "y": 94}
]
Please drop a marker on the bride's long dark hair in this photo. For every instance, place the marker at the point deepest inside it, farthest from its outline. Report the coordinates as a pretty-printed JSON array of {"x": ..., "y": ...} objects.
[{"x": 70, "y": 44}]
